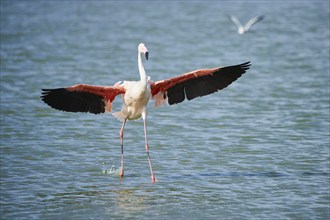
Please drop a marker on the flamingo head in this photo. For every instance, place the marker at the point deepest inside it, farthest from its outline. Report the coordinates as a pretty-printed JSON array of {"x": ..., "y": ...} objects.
[{"x": 142, "y": 49}]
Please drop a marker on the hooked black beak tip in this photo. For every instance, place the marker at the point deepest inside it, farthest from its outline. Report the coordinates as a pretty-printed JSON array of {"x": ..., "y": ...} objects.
[{"x": 147, "y": 55}]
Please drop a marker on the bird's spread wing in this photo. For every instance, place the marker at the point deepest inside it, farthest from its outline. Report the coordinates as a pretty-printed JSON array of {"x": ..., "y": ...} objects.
[
  {"x": 196, "y": 83},
  {"x": 236, "y": 21},
  {"x": 82, "y": 98},
  {"x": 252, "y": 21}
]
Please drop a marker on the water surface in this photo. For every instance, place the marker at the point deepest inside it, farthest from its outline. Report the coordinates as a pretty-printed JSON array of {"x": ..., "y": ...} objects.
[{"x": 258, "y": 149}]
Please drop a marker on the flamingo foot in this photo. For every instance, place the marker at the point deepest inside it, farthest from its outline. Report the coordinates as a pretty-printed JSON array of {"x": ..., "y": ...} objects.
[
  {"x": 121, "y": 173},
  {"x": 153, "y": 179}
]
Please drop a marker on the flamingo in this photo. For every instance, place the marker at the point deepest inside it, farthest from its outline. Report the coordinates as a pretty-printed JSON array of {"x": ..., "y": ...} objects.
[
  {"x": 136, "y": 94},
  {"x": 242, "y": 29}
]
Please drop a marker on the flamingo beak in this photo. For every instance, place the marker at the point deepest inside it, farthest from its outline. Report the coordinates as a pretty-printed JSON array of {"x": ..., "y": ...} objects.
[{"x": 146, "y": 54}]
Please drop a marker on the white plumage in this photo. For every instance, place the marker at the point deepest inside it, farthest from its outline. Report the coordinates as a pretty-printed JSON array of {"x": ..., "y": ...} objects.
[{"x": 242, "y": 29}]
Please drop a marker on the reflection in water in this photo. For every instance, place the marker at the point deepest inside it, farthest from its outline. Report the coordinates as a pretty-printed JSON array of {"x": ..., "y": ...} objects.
[{"x": 131, "y": 200}]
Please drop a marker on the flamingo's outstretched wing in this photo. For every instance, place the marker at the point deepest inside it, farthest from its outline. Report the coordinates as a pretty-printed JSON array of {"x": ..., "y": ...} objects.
[
  {"x": 82, "y": 98},
  {"x": 252, "y": 21},
  {"x": 196, "y": 83}
]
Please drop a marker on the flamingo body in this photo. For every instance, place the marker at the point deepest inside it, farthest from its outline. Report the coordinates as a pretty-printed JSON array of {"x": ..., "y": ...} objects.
[
  {"x": 136, "y": 94},
  {"x": 135, "y": 100}
]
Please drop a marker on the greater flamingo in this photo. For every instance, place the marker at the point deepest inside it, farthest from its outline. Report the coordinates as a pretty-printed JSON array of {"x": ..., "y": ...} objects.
[
  {"x": 136, "y": 94},
  {"x": 242, "y": 29}
]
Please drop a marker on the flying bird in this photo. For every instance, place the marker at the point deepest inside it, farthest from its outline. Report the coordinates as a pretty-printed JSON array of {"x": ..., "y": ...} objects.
[
  {"x": 136, "y": 95},
  {"x": 242, "y": 29}
]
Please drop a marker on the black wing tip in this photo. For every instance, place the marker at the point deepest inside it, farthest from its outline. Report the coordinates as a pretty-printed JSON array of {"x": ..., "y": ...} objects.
[
  {"x": 207, "y": 84},
  {"x": 64, "y": 100},
  {"x": 46, "y": 91},
  {"x": 248, "y": 63},
  {"x": 261, "y": 17},
  {"x": 49, "y": 90},
  {"x": 245, "y": 66},
  {"x": 242, "y": 66}
]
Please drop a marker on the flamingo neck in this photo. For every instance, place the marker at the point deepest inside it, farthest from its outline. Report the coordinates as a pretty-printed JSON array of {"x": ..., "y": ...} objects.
[{"x": 143, "y": 75}]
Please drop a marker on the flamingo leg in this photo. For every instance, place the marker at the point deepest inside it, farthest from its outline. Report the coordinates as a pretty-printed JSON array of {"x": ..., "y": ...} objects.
[
  {"x": 121, "y": 134},
  {"x": 153, "y": 178}
]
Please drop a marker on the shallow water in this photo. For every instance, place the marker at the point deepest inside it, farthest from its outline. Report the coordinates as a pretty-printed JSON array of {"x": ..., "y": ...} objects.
[{"x": 258, "y": 149}]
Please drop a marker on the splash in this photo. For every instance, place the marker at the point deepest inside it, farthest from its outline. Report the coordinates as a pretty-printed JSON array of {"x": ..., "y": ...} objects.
[{"x": 112, "y": 170}]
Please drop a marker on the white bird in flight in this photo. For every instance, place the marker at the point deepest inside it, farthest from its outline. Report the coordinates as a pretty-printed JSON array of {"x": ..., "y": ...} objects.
[
  {"x": 242, "y": 29},
  {"x": 136, "y": 95}
]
